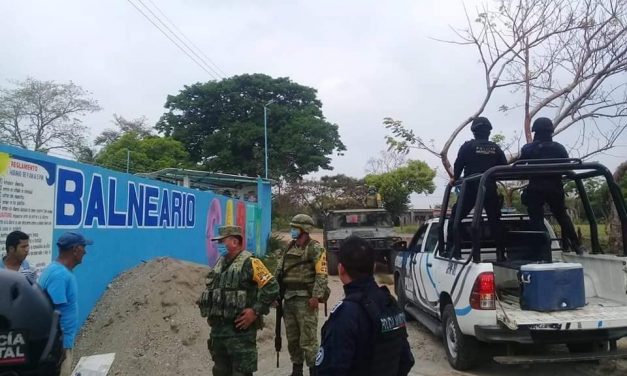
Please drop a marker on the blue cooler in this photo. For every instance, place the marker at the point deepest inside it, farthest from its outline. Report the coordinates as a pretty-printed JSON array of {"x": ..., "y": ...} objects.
[{"x": 551, "y": 287}]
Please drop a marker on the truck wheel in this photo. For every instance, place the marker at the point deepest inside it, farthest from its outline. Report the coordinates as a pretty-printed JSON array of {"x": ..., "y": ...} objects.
[
  {"x": 332, "y": 262},
  {"x": 462, "y": 351}
]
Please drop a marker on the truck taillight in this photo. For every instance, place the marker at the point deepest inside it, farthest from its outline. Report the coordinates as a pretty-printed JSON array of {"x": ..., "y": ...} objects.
[{"x": 482, "y": 295}]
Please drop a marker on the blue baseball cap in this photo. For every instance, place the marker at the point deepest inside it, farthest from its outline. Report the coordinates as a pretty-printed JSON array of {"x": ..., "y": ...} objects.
[{"x": 71, "y": 239}]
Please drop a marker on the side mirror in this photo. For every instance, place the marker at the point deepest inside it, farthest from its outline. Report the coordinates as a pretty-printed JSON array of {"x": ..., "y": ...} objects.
[{"x": 400, "y": 246}]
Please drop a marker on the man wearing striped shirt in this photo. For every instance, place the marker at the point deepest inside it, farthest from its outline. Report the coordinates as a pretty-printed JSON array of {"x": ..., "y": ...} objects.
[{"x": 15, "y": 259}]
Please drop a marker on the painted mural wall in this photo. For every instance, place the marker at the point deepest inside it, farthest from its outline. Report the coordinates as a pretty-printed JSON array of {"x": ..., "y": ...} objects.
[{"x": 131, "y": 219}]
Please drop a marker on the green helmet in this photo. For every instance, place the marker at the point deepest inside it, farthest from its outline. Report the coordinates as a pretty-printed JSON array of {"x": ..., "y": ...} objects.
[{"x": 303, "y": 222}]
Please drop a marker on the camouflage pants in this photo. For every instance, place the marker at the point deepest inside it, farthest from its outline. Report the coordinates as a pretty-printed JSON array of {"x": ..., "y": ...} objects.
[
  {"x": 233, "y": 356},
  {"x": 301, "y": 329}
]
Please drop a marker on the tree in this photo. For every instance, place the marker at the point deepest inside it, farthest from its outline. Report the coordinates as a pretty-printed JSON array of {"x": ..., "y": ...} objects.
[
  {"x": 221, "y": 125},
  {"x": 44, "y": 115},
  {"x": 145, "y": 154},
  {"x": 138, "y": 126},
  {"x": 387, "y": 161},
  {"x": 560, "y": 56},
  {"x": 317, "y": 197},
  {"x": 396, "y": 186}
]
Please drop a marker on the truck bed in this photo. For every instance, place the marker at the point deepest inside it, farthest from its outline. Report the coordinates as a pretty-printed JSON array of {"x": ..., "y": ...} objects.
[{"x": 597, "y": 313}]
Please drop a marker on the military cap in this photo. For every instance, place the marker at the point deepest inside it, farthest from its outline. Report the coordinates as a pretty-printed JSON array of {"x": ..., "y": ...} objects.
[{"x": 226, "y": 231}]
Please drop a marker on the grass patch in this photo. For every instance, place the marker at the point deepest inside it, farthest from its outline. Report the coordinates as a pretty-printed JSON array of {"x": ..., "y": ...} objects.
[{"x": 408, "y": 229}]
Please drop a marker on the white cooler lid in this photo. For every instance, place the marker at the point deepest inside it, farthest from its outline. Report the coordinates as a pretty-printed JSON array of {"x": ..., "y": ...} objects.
[{"x": 553, "y": 266}]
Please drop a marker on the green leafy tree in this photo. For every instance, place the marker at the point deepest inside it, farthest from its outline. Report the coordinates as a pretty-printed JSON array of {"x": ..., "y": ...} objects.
[
  {"x": 221, "y": 125},
  {"x": 145, "y": 154},
  {"x": 396, "y": 186}
]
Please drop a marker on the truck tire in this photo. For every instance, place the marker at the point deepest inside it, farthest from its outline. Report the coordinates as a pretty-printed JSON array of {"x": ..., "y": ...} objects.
[
  {"x": 462, "y": 351},
  {"x": 332, "y": 262}
]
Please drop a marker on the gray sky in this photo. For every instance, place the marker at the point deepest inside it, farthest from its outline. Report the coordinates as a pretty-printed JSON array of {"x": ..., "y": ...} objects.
[{"x": 368, "y": 59}]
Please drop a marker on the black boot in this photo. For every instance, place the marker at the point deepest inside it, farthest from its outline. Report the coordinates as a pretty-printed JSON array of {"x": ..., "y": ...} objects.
[
  {"x": 313, "y": 371},
  {"x": 297, "y": 370}
]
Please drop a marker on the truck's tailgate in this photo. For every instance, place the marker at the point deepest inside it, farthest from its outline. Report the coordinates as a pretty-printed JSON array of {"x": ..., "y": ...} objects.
[{"x": 598, "y": 313}]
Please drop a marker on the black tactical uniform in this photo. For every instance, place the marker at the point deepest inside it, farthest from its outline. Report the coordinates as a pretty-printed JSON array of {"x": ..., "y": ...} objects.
[
  {"x": 365, "y": 334},
  {"x": 476, "y": 157},
  {"x": 548, "y": 189},
  {"x": 30, "y": 335}
]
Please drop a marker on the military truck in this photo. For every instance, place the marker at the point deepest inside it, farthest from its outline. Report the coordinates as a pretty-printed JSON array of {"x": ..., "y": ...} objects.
[{"x": 374, "y": 225}]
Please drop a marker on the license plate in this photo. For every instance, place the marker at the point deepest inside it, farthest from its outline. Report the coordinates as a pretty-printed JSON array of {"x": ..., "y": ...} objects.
[{"x": 13, "y": 347}]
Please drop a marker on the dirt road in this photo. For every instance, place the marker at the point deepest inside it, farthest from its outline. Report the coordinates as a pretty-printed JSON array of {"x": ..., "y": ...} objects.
[{"x": 149, "y": 319}]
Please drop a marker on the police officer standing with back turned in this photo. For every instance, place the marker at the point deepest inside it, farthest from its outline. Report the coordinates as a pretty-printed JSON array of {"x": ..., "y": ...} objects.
[
  {"x": 365, "y": 333},
  {"x": 476, "y": 157},
  {"x": 547, "y": 189}
]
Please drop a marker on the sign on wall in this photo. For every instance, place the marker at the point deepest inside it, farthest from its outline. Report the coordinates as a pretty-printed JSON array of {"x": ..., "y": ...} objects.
[{"x": 131, "y": 219}]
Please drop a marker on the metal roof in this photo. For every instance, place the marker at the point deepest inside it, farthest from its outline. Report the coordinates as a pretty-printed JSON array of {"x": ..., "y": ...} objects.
[{"x": 203, "y": 180}]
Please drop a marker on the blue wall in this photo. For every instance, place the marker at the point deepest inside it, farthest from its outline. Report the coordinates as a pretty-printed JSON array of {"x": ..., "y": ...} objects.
[{"x": 131, "y": 219}]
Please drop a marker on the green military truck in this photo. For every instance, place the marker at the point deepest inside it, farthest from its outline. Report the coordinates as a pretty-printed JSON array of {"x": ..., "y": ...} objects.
[{"x": 374, "y": 225}]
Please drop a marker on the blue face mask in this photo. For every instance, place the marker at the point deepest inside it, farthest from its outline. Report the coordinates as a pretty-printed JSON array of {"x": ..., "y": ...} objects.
[
  {"x": 294, "y": 233},
  {"x": 222, "y": 251}
]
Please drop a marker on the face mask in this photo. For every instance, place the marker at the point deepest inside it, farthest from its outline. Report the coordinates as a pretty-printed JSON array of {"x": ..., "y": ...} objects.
[
  {"x": 294, "y": 233},
  {"x": 222, "y": 251}
]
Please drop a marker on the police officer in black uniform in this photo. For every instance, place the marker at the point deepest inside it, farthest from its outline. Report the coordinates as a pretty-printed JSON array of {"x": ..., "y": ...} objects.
[
  {"x": 475, "y": 157},
  {"x": 365, "y": 333},
  {"x": 547, "y": 189},
  {"x": 31, "y": 341}
]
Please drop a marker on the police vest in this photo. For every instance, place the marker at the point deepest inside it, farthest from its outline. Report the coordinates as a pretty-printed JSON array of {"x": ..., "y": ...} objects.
[
  {"x": 229, "y": 293},
  {"x": 390, "y": 335}
]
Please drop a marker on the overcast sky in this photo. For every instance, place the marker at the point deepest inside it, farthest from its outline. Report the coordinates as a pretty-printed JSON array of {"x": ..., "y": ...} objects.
[{"x": 367, "y": 59}]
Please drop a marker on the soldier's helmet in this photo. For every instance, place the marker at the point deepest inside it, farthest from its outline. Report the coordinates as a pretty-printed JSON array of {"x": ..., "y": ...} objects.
[
  {"x": 542, "y": 125},
  {"x": 29, "y": 328},
  {"x": 303, "y": 222},
  {"x": 481, "y": 124}
]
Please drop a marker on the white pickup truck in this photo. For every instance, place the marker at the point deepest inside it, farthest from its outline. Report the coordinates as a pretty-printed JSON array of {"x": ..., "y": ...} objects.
[{"x": 472, "y": 299}]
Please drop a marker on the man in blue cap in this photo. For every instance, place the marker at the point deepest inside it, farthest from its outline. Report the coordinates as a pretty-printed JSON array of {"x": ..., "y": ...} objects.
[{"x": 60, "y": 284}]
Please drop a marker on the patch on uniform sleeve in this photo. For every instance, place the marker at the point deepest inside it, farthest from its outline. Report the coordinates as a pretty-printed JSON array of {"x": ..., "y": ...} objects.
[
  {"x": 336, "y": 306},
  {"x": 261, "y": 275},
  {"x": 321, "y": 265},
  {"x": 320, "y": 356}
]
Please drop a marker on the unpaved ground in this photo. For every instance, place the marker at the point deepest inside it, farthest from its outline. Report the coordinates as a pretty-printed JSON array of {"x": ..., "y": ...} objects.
[{"x": 149, "y": 319}]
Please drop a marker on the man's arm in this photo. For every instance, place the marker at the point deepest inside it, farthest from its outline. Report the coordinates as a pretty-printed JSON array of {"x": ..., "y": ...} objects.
[
  {"x": 57, "y": 290},
  {"x": 502, "y": 160},
  {"x": 460, "y": 162},
  {"x": 339, "y": 342},
  {"x": 268, "y": 286},
  {"x": 406, "y": 362},
  {"x": 320, "y": 264}
]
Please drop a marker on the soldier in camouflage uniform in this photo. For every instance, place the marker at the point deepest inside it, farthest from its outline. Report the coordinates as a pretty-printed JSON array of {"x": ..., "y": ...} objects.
[
  {"x": 303, "y": 279},
  {"x": 239, "y": 291}
]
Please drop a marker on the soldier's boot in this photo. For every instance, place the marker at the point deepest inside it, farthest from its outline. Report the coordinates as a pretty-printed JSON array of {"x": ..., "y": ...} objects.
[
  {"x": 313, "y": 371},
  {"x": 297, "y": 370}
]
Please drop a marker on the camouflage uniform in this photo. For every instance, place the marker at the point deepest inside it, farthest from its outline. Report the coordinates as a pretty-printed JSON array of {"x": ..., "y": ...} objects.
[
  {"x": 232, "y": 286},
  {"x": 300, "y": 283}
]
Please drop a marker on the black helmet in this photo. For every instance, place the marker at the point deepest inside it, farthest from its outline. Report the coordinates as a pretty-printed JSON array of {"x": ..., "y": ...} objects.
[
  {"x": 30, "y": 334},
  {"x": 481, "y": 124},
  {"x": 542, "y": 125}
]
